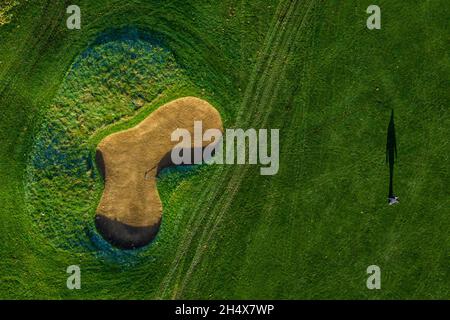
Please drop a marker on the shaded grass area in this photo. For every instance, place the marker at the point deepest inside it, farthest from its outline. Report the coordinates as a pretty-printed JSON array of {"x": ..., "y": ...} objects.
[{"x": 310, "y": 68}]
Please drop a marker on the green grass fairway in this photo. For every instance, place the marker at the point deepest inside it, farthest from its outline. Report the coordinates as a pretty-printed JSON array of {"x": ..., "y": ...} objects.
[{"x": 310, "y": 68}]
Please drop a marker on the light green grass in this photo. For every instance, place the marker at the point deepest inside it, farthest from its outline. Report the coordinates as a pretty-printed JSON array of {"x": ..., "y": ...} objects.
[{"x": 310, "y": 68}]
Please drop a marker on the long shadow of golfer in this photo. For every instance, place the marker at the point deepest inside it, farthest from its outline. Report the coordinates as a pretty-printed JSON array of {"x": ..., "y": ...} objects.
[{"x": 391, "y": 153}]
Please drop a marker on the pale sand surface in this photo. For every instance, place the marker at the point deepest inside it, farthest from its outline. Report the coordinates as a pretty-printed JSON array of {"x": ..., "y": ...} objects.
[{"x": 130, "y": 210}]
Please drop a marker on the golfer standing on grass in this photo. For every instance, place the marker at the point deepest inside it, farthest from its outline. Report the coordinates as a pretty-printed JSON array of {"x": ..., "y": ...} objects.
[{"x": 391, "y": 154}]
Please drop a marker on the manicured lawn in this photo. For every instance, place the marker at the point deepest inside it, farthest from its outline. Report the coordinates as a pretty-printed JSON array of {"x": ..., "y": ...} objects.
[{"x": 310, "y": 68}]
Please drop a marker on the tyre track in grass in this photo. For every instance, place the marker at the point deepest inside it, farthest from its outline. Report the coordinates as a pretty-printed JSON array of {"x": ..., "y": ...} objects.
[
  {"x": 284, "y": 9},
  {"x": 267, "y": 91},
  {"x": 264, "y": 61},
  {"x": 297, "y": 167},
  {"x": 267, "y": 94},
  {"x": 236, "y": 180}
]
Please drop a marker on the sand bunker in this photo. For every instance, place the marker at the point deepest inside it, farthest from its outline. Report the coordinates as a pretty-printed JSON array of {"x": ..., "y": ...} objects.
[{"x": 130, "y": 210}]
